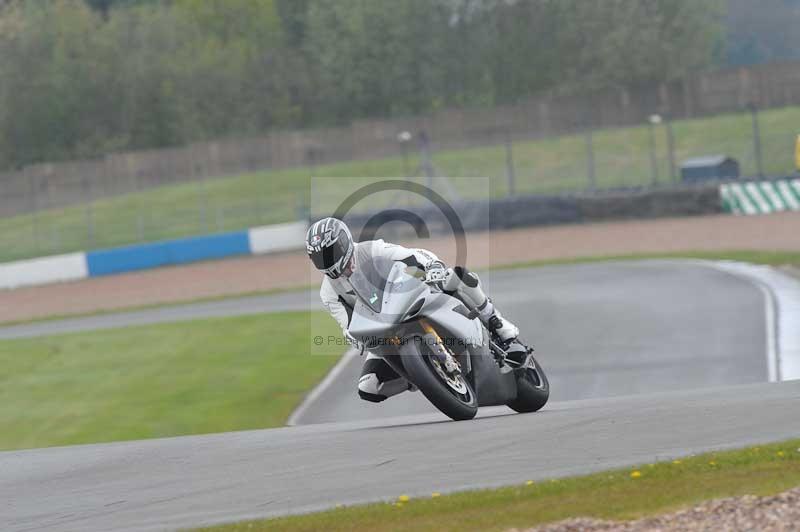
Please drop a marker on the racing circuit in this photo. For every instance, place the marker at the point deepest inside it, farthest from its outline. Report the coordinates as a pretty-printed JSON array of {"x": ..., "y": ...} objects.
[{"x": 647, "y": 360}]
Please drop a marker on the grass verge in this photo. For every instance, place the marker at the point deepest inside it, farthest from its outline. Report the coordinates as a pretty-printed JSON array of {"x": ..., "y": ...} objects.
[
  {"x": 555, "y": 165},
  {"x": 154, "y": 381},
  {"x": 621, "y": 494}
]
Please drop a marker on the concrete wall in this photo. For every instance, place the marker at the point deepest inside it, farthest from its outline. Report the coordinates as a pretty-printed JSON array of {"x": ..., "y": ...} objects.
[
  {"x": 527, "y": 211},
  {"x": 498, "y": 214},
  {"x": 274, "y": 238},
  {"x": 167, "y": 253},
  {"x": 102, "y": 262},
  {"x": 43, "y": 270}
]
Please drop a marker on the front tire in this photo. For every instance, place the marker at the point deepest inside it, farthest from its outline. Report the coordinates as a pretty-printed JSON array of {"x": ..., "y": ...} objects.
[
  {"x": 533, "y": 389},
  {"x": 456, "y": 400}
]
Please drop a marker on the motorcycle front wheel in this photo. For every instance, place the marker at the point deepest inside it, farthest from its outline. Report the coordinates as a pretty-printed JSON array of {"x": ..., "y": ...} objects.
[{"x": 452, "y": 394}]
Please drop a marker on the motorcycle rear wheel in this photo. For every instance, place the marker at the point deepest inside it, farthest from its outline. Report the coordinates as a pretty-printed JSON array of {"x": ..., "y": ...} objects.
[{"x": 533, "y": 389}]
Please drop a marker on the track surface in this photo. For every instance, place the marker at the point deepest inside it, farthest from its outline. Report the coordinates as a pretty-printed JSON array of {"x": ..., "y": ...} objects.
[
  {"x": 189, "y": 481},
  {"x": 600, "y": 330},
  {"x": 213, "y": 309},
  {"x": 608, "y": 329}
]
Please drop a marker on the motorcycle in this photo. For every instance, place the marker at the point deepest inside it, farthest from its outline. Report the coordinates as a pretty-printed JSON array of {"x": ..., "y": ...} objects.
[{"x": 440, "y": 346}]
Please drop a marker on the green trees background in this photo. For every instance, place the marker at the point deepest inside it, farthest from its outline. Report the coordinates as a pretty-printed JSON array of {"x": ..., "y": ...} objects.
[{"x": 80, "y": 78}]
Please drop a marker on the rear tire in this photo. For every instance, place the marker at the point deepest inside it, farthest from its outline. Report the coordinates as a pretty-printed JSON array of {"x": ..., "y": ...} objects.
[
  {"x": 533, "y": 389},
  {"x": 419, "y": 366}
]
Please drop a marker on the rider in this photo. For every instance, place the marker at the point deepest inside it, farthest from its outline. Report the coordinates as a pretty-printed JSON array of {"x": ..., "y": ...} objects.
[{"x": 331, "y": 248}]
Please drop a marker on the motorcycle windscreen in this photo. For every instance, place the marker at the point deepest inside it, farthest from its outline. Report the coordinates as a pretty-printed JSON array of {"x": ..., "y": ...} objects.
[{"x": 369, "y": 280}]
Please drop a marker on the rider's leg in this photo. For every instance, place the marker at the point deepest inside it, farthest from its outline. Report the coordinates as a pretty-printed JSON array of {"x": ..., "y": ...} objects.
[
  {"x": 467, "y": 287},
  {"x": 379, "y": 381}
]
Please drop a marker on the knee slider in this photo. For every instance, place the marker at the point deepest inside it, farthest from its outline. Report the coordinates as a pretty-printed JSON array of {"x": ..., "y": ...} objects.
[{"x": 369, "y": 384}]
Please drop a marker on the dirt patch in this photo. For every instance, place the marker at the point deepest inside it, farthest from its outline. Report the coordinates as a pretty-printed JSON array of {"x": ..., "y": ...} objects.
[
  {"x": 778, "y": 513},
  {"x": 778, "y": 232}
]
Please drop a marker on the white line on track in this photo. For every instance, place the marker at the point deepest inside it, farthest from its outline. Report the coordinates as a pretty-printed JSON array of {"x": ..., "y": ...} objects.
[{"x": 782, "y": 314}]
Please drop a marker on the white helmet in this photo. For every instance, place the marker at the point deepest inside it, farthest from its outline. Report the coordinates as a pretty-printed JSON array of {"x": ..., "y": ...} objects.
[{"x": 330, "y": 246}]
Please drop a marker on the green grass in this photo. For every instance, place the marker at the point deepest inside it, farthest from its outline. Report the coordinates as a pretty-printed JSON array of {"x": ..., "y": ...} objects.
[
  {"x": 661, "y": 487},
  {"x": 160, "y": 380},
  {"x": 544, "y": 166}
]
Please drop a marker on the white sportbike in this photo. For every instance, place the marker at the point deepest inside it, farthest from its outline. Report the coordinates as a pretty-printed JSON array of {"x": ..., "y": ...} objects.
[{"x": 440, "y": 346}]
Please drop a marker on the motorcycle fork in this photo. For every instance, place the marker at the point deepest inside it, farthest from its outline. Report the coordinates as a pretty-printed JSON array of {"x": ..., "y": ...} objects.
[
  {"x": 428, "y": 328},
  {"x": 438, "y": 348}
]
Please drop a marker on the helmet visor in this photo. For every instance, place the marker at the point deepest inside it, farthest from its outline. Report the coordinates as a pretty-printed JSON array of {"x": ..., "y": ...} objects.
[{"x": 330, "y": 257}]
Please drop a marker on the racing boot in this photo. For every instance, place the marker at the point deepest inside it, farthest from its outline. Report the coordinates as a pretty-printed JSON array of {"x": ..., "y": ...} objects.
[
  {"x": 503, "y": 328},
  {"x": 467, "y": 287},
  {"x": 507, "y": 332}
]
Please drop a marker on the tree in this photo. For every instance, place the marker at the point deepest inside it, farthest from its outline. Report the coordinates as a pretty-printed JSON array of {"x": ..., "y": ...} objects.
[
  {"x": 233, "y": 72},
  {"x": 636, "y": 42},
  {"x": 762, "y": 31},
  {"x": 80, "y": 78},
  {"x": 377, "y": 58},
  {"x": 294, "y": 19},
  {"x": 525, "y": 57},
  {"x": 60, "y": 100}
]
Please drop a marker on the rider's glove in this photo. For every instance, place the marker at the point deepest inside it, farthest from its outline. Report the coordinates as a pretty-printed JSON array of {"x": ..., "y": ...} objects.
[
  {"x": 355, "y": 344},
  {"x": 436, "y": 273}
]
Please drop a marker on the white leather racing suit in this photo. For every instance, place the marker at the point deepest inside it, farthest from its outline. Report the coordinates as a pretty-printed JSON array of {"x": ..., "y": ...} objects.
[
  {"x": 378, "y": 380},
  {"x": 337, "y": 295}
]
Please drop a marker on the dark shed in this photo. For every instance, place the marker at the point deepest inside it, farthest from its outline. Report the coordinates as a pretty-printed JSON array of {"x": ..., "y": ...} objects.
[{"x": 709, "y": 167}]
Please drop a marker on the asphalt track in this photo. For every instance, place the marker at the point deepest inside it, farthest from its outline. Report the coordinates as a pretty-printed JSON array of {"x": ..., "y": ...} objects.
[
  {"x": 603, "y": 330},
  {"x": 600, "y": 330},
  {"x": 677, "y": 334},
  {"x": 212, "y": 309},
  {"x": 189, "y": 481}
]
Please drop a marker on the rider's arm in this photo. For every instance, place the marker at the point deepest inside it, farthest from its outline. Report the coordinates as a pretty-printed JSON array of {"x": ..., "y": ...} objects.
[
  {"x": 420, "y": 258},
  {"x": 330, "y": 300},
  {"x": 337, "y": 309}
]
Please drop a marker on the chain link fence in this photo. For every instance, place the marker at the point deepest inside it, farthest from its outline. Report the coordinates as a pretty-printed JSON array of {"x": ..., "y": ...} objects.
[{"x": 76, "y": 213}]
